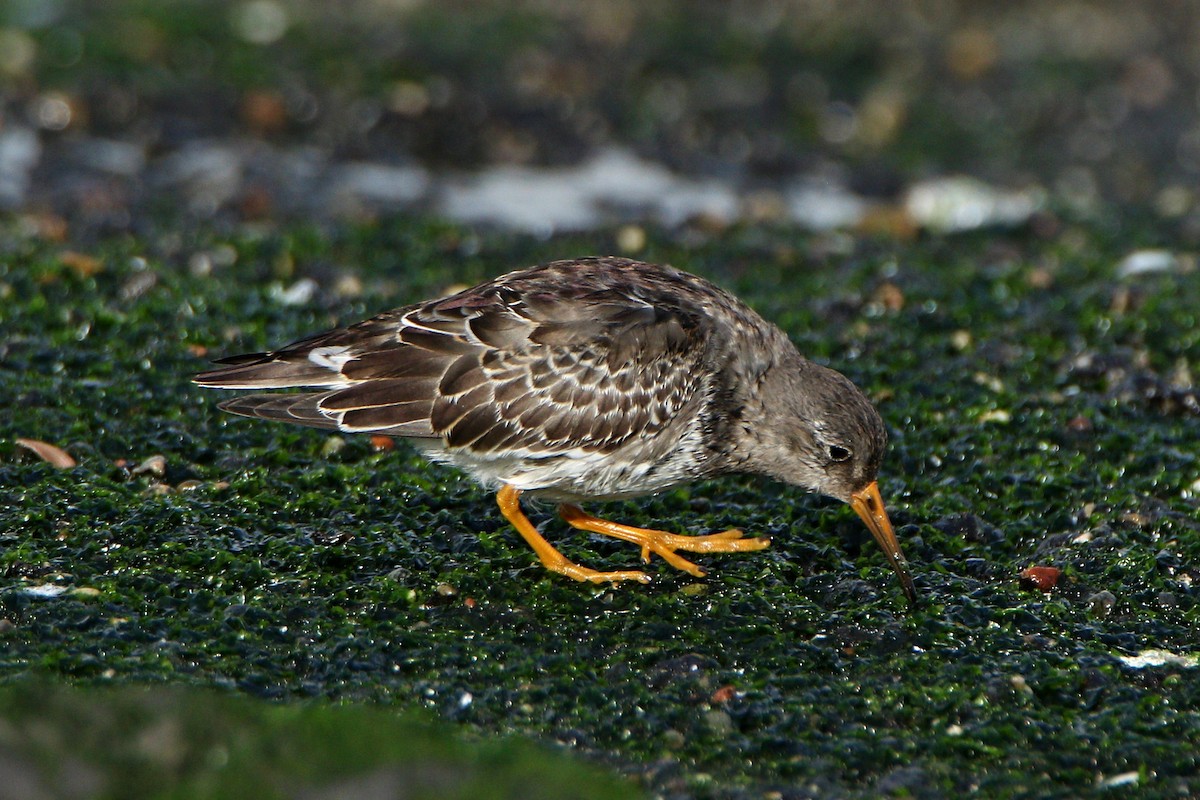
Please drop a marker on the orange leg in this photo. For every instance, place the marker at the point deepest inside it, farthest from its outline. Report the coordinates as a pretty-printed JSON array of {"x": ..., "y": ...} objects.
[
  {"x": 510, "y": 505},
  {"x": 663, "y": 543}
]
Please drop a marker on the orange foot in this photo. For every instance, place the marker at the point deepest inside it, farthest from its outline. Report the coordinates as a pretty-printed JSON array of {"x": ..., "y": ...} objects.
[
  {"x": 663, "y": 543},
  {"x": 651, "y": 541},
  {"x": 510, "y": 505}
]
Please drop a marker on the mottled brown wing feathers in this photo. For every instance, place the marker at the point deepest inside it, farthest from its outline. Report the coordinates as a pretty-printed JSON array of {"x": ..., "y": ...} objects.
[
  {"x": 500, "y": 331},
  {"x": 395, "y": 362},
  {"x": 381, "y": 394},
  {"x": 264, "y": 371},
  {"x": 409, "y": 419},
  {"x": 300, "y": 409},
  {"x": 462, "y": 375},
  {"x": 545, "y": 360}
]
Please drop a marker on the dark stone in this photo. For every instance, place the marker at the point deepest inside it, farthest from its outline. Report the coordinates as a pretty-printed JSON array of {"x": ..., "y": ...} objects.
[{"x": 970, "y": 527}]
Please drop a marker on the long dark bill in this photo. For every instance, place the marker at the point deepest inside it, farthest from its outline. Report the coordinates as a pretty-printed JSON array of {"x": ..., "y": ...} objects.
[{"x": 869, "y": 505}]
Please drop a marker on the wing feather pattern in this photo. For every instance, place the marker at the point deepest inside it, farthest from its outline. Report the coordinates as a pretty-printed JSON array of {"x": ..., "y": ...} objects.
[{"x": 580, "y": 355}]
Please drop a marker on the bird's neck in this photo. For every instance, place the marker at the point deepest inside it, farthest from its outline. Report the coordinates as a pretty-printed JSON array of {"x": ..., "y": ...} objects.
[{"x": 743, "y": 421}]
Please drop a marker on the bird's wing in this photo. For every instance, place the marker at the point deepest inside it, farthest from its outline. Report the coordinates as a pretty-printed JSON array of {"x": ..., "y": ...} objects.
[{"x": 516, "y": 364}]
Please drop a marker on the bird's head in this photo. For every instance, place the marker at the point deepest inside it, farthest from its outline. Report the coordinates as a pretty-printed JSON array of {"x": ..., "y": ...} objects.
[{"x": 819, "y": 431}]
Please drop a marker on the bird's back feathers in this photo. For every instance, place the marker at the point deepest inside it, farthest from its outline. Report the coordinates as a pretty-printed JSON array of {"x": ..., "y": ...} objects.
[{"x": 580, "y": 354}]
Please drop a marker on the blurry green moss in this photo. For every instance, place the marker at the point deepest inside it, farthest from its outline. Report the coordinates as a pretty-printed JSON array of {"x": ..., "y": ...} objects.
[{"x": 159, "y": 741}]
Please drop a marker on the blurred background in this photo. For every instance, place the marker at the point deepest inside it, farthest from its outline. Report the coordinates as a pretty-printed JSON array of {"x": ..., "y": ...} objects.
[{"x": 551, "y": 115}]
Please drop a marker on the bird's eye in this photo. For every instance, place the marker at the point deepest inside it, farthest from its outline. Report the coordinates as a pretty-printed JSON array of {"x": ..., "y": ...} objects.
[{"x": 837, "y": 453}]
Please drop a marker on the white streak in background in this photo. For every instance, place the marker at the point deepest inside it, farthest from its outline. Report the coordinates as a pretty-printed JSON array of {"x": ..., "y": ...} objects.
[
  {"x": 208, "y": 173},
  {"x": 45, "y": 590},
  {"x": 111, "y": 156},
  {"x": 1142, "y": 262},
  {"x": 824, "y": 205},
  {"x": 379, "y": 184},
  {"x": 20, "y": 151},
  {"x": 612, "y": 185},
  {"x": 1160, "y": 658},
  {"x": 616, "y": 186},
  {"x": 958, "y": 203},
  {"x": 331, "y": 358},
  {"x": 298, "y": 294}
]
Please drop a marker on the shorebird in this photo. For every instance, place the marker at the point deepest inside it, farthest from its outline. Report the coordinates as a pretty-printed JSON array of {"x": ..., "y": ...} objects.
[{"x": 588, "y": 379}]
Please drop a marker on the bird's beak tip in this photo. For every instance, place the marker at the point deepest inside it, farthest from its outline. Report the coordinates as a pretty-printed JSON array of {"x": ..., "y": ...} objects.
[{"x": 868, "y": 504}]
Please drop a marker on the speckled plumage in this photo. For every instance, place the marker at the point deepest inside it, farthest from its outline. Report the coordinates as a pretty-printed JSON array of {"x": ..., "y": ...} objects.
[{"x": 575, "y": 380}]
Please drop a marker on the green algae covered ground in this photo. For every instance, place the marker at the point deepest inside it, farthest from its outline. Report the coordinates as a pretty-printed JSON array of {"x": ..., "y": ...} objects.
[{"x": 288, "y": 590}]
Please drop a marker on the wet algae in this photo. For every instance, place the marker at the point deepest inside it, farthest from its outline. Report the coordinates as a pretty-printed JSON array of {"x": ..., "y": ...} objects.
[{"x": 1038, "y": 407}]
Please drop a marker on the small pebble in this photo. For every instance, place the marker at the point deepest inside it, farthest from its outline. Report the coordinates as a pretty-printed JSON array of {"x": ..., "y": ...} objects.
[
  {"x": 673, "y": 739},
  {"x": 1040, "y": 278},
  {"x": 631, "y": 239},
  {"x": 155, "y": 466},
  {"x": 719, "y": 722},
  {"x": 200, "y": 264},
  {"x": 408, "y": 98},
  {"x": 348, "y": 285},
  {"x": 332, "y": 446},
  {"x": 1101, "y": 603},
  {"x": 333, "y": 538},
  {"x": 381, "y": 443},
  {"x": 1038, "y": 642},
  {"x": 1174, "y": 201},
  {"x": 890, "y": 296},
  {"x": 723, "y": 695},
  {"x": 264, "y": 112},
  {"x": 1136, "y": 519},
  {"x": 1124, "y": 779},
  {"x": 46, "y": 590},
  {"x": 260, "y": 22},
  {"x": 138, "y": 285},
  {"x": 1041, "y": 578},
  {"x": 84, "y": 265},
  {"x": 990, "y": 381},
  {"x": 1079, "y": 424}
]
